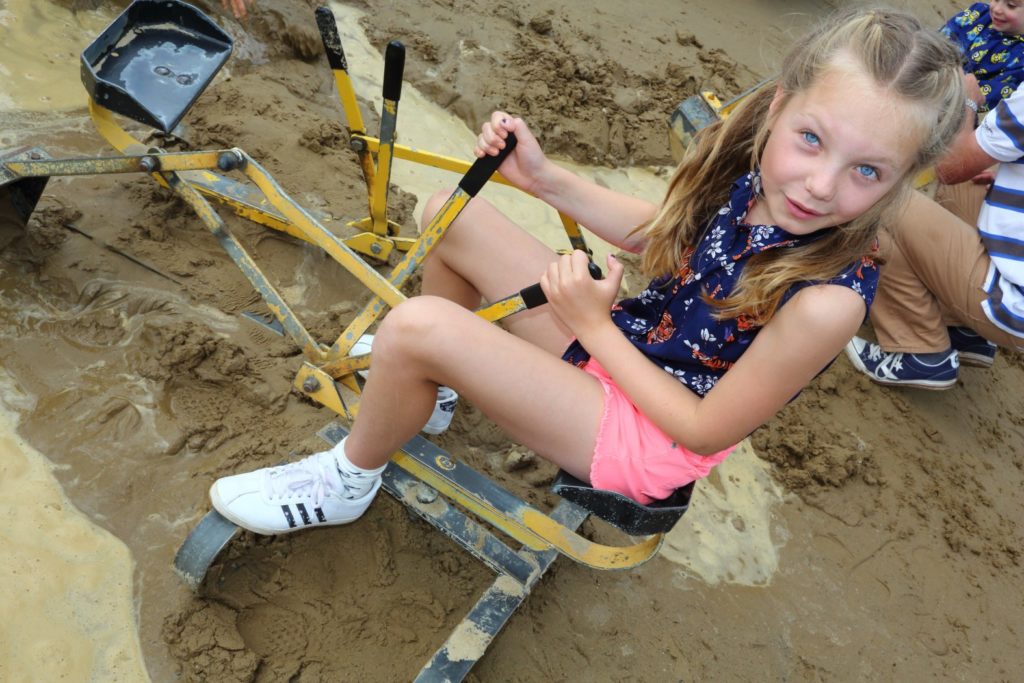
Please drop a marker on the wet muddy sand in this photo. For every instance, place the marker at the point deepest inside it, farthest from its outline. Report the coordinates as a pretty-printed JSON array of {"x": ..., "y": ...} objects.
[{"x": 864, "y": 533}]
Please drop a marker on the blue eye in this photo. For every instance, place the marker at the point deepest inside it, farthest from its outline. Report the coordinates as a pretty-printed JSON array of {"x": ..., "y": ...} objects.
[
  {"x": 868, "y": 171},
  {"x": 810, "y": 138}
]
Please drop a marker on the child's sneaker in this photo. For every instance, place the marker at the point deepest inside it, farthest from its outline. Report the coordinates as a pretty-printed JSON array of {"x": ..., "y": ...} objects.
[
  {"x": 920, "y": 370},
  {"x": 972, "y": 348},
  {"x": 279, "y": 500},
  {"x": 444, "y": 411},
  {"x": 362, "y": 347},
  {"x": 447, "y": 399}
]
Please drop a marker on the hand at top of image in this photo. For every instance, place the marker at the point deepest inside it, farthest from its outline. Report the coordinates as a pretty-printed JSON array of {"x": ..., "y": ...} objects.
[{"x": 239, "y": 8}]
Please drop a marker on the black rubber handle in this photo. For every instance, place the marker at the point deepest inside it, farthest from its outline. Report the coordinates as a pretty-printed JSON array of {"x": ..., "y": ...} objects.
[
  {"x": 394, "y": 66},
  {"x": 482, "y": 169},
  {"x": 533, "y": 296},
  {"x": 332, "y": 41}
]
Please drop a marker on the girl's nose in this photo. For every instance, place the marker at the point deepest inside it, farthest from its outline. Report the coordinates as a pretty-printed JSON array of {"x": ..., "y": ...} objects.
[{"x": 821, "y": 185}]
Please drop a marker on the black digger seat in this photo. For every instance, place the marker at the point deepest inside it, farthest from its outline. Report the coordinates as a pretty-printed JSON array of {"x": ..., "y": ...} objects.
[{"x": 622, "y": 512}]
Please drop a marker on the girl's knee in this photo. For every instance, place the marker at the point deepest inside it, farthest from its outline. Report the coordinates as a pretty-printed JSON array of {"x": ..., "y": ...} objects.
[
  {"x": 479, "y": 207},
  {"x": 413, "y": 326}
]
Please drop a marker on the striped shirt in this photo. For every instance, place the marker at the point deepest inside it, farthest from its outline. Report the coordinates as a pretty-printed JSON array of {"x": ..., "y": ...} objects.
[{"x": 1001, "y": 220}]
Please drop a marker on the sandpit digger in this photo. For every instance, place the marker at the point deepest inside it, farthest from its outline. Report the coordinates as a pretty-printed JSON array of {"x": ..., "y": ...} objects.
[{"x": 150, "y": 65}]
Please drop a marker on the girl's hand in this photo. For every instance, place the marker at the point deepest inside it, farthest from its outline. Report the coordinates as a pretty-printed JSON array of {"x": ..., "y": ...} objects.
[
  {"x": 526, "y": 164},
  {"x": 238, "y": 7},
  {"x": 577, "y": 299}
]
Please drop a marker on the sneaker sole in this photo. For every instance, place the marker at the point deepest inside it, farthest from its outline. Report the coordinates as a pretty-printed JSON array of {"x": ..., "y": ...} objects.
[
  {"x": 929, "y": 384},
  {"x": 222, "y": 509},
  {"x": 975, "y": 360}
]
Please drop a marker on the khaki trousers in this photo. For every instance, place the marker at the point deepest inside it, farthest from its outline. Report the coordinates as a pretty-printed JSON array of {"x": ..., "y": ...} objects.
[{"x": 934, "y": 271}]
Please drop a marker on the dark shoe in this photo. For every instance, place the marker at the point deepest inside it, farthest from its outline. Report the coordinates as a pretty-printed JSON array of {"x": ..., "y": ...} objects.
[
  {"x": 972, "y": 348},
  {"x": 920, "y": 370}
]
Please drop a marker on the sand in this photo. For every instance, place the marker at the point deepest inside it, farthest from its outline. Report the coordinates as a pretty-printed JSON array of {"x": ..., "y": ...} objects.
[
  {"x": 865, "y": 533},
  {"x": 66, "y": 595}
]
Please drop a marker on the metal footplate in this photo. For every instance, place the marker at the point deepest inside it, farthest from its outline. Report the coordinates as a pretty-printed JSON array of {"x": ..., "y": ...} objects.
[
  {"x": 427, "y": 480},
  {"x": 202, "y": 546},
  {"x": 518, "y": 571}
]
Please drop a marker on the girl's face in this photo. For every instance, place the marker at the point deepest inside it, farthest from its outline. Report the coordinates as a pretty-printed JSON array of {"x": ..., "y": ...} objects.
[
  {"x": 834, "y": 150},
  {"x": 1007, "y": 16}
]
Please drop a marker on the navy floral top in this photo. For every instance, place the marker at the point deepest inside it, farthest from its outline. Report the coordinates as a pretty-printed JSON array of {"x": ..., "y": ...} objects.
[
  {"x": 675, "y": 328},
  {"x": 995, "y": 58}
]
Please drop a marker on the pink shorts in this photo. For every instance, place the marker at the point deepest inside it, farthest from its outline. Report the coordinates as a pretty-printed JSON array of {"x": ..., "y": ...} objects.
[{"x": 633, "y": 456}]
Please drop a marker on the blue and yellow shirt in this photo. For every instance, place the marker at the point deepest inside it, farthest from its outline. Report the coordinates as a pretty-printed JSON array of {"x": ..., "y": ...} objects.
[
  {"x": 675, "y": 328},
  {"x": 996, "y": 59}
]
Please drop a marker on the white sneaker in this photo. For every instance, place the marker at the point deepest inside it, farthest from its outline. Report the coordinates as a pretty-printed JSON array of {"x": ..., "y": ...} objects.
[
  {"x": 447, "y": 398},
  {"x": 279, "y": 500}
]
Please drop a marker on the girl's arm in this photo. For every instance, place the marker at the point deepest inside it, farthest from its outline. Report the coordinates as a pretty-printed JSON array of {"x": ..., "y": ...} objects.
[
  {"x": 608, "y": 214},
  {"x": 806, "y": 333}
]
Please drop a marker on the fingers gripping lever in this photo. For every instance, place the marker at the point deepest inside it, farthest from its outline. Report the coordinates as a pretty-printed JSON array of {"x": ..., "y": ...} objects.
[
  {"x": 533, "y": 295},
  {"x": 482, "y": 169}
]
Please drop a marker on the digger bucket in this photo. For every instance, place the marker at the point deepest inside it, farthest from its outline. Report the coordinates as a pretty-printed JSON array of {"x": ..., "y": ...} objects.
[
  {"x": 154, "y": 60},
  {"x": 18, "y": 196}
]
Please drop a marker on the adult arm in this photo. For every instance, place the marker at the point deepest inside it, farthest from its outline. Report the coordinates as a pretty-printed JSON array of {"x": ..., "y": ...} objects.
[
  {"x": 998, "y": 139},
  {"x": 608, "y": 214},
  {"x": 965, "y": 158},
  {"x": 801, "y": 339},
  {"x": 239, "y": 8}
]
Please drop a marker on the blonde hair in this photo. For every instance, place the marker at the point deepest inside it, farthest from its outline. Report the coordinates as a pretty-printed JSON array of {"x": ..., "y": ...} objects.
[{"x": 914, "y": 64}]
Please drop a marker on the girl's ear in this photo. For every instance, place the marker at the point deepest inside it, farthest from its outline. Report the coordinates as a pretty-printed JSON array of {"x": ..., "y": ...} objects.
[{"x": 776, "y": 101}]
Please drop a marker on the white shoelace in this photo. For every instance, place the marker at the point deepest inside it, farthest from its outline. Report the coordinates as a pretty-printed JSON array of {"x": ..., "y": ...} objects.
[
  {"x": 315, "y": 476},
  {"x": 890, "y": 365}
]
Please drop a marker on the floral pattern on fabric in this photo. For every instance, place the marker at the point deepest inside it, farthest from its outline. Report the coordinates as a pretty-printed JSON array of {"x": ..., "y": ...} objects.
[
  {"x": 996, "y": 59},
  {"x": 675, "y": 328}
]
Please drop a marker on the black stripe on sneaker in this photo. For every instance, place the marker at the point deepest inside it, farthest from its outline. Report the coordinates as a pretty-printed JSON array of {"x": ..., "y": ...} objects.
[
  {"x": 288, "y": 516},
  {"x": 302, "y": 513},
  {"x": 319, "y": 515}
]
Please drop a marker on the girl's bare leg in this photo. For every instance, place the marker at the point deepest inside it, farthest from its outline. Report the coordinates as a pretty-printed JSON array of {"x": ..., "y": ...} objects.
[
  {"x": 485, "y": 256},
  {"x": 520, "y": 382},
  {"x": 544, "y": 403}
]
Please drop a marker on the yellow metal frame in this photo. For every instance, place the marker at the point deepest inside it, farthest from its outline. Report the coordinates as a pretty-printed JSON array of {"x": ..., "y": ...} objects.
[
  {"x": 378, "y": 233},
  {"x": 197, "y": 177}
]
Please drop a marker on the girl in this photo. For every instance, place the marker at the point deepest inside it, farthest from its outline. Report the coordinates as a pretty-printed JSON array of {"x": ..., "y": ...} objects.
[{"x": 760, "y": 257}]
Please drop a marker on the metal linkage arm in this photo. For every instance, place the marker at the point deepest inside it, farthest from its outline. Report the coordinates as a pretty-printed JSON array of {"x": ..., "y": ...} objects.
[{"x": 469, "y": 186}]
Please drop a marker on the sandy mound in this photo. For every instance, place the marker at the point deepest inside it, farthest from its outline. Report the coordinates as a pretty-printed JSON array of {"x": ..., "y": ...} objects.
[{"x": 898, "y": 545}]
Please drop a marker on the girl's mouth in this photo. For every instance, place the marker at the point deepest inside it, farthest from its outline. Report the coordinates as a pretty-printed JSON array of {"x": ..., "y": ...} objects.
[{"x": 799, "y": 211}]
